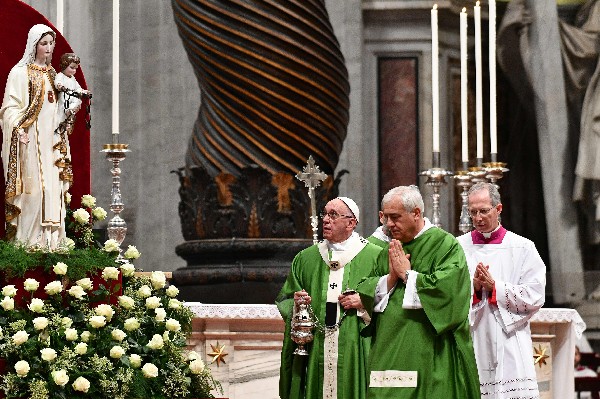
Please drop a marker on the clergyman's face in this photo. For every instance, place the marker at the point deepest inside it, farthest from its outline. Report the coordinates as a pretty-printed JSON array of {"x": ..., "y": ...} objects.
[
  {"x": 339, "y": 227},
  {"x": 403, "y": 225},
  {"x": 483, "y": 214},
  {"x": 44, "y": 49}
]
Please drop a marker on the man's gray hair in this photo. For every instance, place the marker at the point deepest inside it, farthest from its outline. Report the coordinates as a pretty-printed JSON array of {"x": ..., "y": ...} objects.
[
  {"x": 410, "y": 198},
  {"x": 490, "y": 188}
]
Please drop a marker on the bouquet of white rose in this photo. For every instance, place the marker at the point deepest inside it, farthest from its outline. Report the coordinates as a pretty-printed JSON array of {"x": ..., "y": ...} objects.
[
  {"x": 79, "y": 223},
  {"x": 78, "y": 323}
]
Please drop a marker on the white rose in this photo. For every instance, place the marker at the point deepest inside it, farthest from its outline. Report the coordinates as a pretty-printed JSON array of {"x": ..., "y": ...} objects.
[
  {"x": 118, "y": 335},
  {"x": 67, "y": 243},
  {"x": 81, "y": 216},
  {"x": 71, "y": 334},
  {"x": 9, "y": 290},
  {"x": 131, "y": 324},
  {"x": 197, "y": 366},
  {"x": 81, "y": 348},
  {"x": 81, "y": 384},
  {"x": 36, "y": 305},
  {"x": 66, "y": 322},
  {"x": 135, "y": 360},
  {"x": 48, "y": 354},
  {"x": 22, "y": 368},
  {"x": 174, "y": 303},
  {"x": 60, "y": 377},
  {"x": 144, "y": 291},
  {"x": 60, "y": 268},
  {"x": 97, "y": 321},
  {"x": 166, "y": 337},
  {"x": 7, "y": 303},
  {"x": 172, "y": 291},
  {"x": 77, "y": 292},
  {"x": 67, "y": 198},
  {"x": 110, "y": 273},
  {"x": 88, "y": 201},
  {"x": 85, "y": 336},
  {"x": 126, "y": 302},
  {"x": 173, "y": 325},
  {"x": 53, "y": 288},
  {"x": 127, "y": 269},
  {"x": 153, "y": 302},
  {"x": 149, "y": 370},
  {"x": 157, "y": 342},
  {"x": 161, "y": 314},
  {"x": 99, "y": 213},
  {"x": 105, "y": 310},
  {"x": 31, "y": 284},
  {"x": 193, "y": 355},
  {"x": 158, "y": 280},
  {"x": 85, "y": 283},
  {"x": 111, "y": 246},
  {"x": 39, "y": 323},
  {"x": 20, "y": 337},
  {"x": 132, "y": 252},
  {"x": 116, "y": 352}
]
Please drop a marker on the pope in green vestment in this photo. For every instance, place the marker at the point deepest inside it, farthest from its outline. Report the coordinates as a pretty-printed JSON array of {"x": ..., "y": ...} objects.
[
  {"x": 336, "y": 366},
  {"x": 421, "y": 345}
]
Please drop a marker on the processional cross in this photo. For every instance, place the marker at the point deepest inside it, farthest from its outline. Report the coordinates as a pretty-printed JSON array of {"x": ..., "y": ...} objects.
[{"x": 312, "y": 178}]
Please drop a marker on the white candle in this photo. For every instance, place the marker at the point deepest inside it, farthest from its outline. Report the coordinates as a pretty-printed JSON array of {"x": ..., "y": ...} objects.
[
  {"x": 492, "y": 62},
  {"x": 478, "y": 92},
  {"x": 60, "y": 15},
  {"x": 463, "y": 86},
  {"x": 435, "y": 79},
  {"x": 115, "y": 67}
]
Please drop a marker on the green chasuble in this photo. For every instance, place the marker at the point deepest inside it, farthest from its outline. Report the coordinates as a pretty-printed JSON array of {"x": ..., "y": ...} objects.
[
  {"x": 305, "y": 376},
  {"x": 424, "y": 353},
  {"x": 378, "y": 242}
]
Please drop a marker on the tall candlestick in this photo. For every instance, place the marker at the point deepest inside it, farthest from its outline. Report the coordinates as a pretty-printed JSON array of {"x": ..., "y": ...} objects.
[
  {"x": 492, "y": 62},
  {"x": 463, "y": 86},
  {"x": 60, "y": 15},
  {"x": 435, "y": 79},
  {"x": 115, "y": 86},
  {"x": 478, "y": 91}
]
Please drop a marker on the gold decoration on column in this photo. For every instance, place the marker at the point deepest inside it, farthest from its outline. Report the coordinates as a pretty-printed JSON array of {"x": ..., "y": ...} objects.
[
  {"x": 539, "y": 355},
  {"x": 218, "y": 353}
]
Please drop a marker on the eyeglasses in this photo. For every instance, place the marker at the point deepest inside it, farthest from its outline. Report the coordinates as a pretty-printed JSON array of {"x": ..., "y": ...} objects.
[
  {"x": 333, "y": 215},
  {"x": 483, "y": 212}
]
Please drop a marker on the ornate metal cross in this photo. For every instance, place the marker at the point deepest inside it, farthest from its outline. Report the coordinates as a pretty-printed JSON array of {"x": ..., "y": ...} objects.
[{"x": 312, "y": 178}]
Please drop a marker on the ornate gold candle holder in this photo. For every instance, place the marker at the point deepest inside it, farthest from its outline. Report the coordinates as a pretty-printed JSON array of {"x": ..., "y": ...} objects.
[{"x": 494, "y": 171}]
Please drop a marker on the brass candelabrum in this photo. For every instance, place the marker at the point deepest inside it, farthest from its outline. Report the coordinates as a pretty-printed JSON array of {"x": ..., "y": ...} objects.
[
  {"x": 117, "y": 228},
  {"x": 494, "y": 171}
]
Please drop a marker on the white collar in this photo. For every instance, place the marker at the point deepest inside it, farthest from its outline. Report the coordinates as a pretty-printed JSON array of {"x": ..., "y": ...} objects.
[
  {"x": 426, "y": 227},
  {"x": 379, "y": 234},
  {"x": 489, "y": 234},
  {"x": 344, "y": 245}
]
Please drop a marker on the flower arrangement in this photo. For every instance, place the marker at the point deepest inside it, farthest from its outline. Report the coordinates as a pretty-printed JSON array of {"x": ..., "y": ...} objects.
[
  {"x": 79, "y": 223},
  {"x": 88, "y": 327}
]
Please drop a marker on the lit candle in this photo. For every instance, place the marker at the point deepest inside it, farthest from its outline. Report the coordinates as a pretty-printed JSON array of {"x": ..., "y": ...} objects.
[
  {"x": 115, "y": 67},
  {"x": 60, "y": 11},
  {"x": 463, "y": 86},
  {"x": 435, "y": 79},
  {"x": 492, "y": 62},
  {"x": 478, "y": 92}
]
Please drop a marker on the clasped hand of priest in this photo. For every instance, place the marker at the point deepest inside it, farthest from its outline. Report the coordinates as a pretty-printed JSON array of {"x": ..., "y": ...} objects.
[{"x": 482, "y": 278}]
